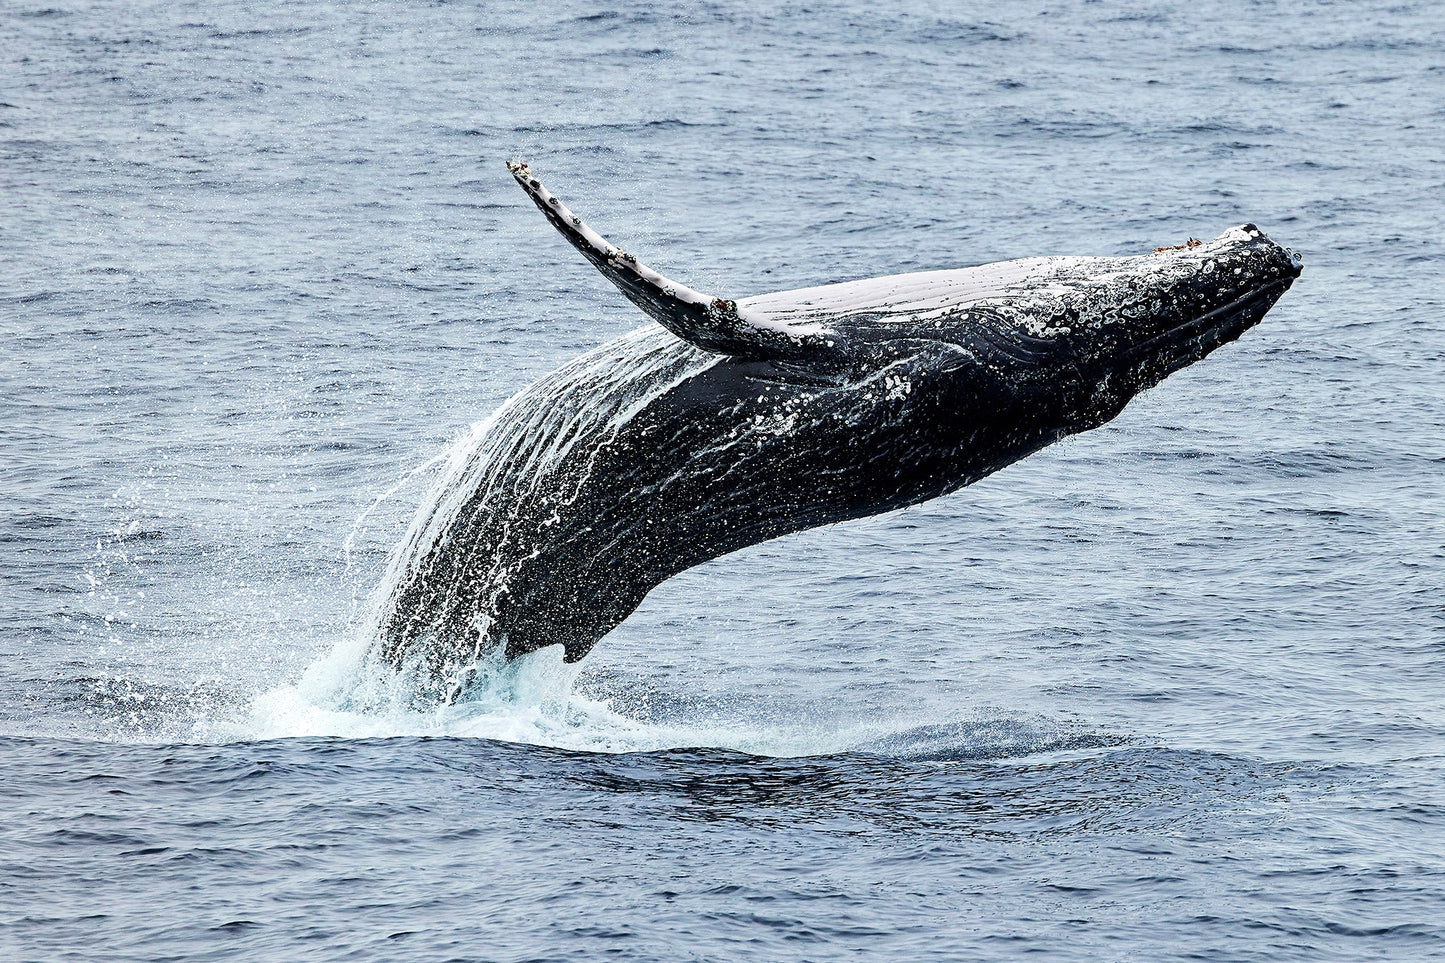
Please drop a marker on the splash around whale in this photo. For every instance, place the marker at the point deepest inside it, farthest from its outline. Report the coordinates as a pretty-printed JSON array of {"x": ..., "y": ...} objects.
[{"x": 737, "y": 421}]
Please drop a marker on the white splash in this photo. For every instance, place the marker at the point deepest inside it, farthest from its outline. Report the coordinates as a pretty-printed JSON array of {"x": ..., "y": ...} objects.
[{"x": 536, "y": 699}]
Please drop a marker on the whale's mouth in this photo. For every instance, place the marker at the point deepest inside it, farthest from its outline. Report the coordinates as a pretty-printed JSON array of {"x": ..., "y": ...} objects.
[{"x": 1151, "y": 361}]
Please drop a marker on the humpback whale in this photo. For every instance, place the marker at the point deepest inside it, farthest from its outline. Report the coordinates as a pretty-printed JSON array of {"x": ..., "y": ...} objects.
[{"x": 732, "y": 421}]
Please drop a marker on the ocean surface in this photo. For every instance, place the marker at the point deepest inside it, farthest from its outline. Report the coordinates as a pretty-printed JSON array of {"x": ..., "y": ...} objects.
[{"x": 1170, "y": 690}]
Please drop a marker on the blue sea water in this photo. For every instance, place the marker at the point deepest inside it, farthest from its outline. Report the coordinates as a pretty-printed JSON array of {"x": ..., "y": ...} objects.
[{"x": 1171, "y": 690}]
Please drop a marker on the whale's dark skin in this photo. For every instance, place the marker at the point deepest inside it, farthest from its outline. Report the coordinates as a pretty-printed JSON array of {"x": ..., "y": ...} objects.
[{"x": 737, "y": 422}]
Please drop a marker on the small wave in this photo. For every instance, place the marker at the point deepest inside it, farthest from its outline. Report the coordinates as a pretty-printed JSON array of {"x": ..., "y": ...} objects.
[
  {"x": 988, "y": 737},
  {"x": 261, "y": 32},
  {"x": 38, "y": 297},
  {"x": 638, "y": 126}
]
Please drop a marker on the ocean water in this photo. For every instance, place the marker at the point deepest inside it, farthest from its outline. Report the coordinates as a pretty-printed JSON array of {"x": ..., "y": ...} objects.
[{"x": 1171, "y": 690}]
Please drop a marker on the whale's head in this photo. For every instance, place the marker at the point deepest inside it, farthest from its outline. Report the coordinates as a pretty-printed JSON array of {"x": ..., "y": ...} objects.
[
  {"x": 1079, "y": 337},
  {"x": 1168, "y": 310}
]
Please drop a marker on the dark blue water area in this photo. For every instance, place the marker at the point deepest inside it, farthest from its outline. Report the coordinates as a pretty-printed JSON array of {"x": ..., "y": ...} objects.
[
  {"x": 478, "y": 849},
  {"x": 1168, "y": 690}
]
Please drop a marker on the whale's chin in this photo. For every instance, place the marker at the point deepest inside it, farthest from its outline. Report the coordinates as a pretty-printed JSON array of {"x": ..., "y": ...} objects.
[{"x": 1147, "y": 364}]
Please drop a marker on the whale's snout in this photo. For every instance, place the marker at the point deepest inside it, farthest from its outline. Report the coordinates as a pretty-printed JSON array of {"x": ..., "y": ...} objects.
[
  {"x": 1208, "y": 285},
  {"x": 1251, "y": 251},
  {"x": 1177, "y": 306}
]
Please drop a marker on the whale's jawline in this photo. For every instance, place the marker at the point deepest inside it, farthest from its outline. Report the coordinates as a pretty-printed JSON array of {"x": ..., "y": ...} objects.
[{"x": 1150, "y": 362}]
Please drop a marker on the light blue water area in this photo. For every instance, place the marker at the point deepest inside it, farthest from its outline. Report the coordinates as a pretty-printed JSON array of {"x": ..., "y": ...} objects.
[{"x": 1169, "y": 690}]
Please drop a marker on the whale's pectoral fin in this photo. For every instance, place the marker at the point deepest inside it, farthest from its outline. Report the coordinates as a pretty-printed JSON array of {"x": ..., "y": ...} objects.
[{"x": 712, "y": 323}]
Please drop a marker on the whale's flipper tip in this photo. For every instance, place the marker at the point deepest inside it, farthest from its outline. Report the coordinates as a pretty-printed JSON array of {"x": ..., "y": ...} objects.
[{"x": 711, "y": 323}]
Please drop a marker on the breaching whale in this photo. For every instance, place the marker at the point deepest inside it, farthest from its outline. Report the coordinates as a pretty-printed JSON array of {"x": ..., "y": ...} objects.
[{"x": 737, "y": 421}]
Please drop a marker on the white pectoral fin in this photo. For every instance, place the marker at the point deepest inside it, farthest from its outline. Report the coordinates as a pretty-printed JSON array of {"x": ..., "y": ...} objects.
[{"x": 711, "y": 323}]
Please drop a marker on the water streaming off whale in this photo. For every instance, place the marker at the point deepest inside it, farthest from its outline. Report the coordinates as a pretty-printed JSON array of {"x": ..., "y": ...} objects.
[{"x": 516, "y": 473}]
